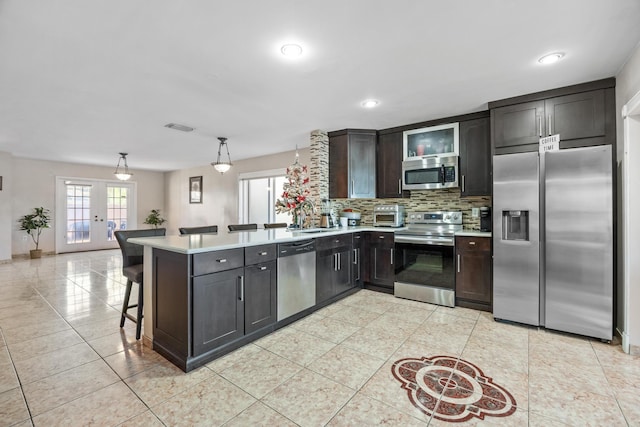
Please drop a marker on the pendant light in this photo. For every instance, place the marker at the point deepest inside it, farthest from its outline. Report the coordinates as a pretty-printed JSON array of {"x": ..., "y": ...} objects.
[
  {"x": 123, "y": 174},
  {"x": 219, "y": 165}
]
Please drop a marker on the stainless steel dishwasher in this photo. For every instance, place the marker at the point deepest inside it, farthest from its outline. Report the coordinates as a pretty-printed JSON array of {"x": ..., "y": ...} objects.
[{"x": 296, "y": 277}]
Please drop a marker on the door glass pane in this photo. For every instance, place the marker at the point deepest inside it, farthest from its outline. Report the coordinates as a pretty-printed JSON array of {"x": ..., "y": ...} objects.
[
  {"x": 258, "y": 198},
  {"x": 117, "y": 198},
  {"x": 78, "y": 213},
  {"x": 278, "y": 186}
]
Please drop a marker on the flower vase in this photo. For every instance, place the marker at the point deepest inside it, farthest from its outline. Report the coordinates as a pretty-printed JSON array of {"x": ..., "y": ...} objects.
[{"x": 295, "y": 219}]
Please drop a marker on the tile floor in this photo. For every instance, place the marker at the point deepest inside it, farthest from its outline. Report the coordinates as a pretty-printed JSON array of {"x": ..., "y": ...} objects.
[{"x": 65, "y": 361}]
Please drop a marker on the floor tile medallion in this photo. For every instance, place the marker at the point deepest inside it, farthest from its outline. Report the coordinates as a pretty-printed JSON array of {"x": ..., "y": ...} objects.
[{"x": 452, "y": 389}]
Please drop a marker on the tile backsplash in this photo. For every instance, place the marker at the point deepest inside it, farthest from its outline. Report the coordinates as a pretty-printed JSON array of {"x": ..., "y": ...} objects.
[
  {"x": 423, "y": 200},
  {"x": 447, "y": 199}
]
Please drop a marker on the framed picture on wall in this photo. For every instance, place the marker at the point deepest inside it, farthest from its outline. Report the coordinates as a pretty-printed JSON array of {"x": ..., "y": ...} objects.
[{"x": 195, "y": 189}]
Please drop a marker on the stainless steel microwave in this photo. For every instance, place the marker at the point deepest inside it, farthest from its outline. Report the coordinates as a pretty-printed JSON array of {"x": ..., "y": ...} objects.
[{"x": 429, "y": 173}]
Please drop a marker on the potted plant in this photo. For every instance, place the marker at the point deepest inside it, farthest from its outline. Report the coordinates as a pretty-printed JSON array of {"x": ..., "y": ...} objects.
[
  {"x": 154, "y": 218},
  {"x": 33, "y": 224}
]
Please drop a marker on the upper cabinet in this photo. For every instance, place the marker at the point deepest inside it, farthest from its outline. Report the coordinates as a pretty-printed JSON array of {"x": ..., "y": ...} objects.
[
  {"x": 583, "y": 115},
  {"x": 389, "y": 160},
  {"x": 352, "y": 164},
  {"x": 475, "y": 157}
]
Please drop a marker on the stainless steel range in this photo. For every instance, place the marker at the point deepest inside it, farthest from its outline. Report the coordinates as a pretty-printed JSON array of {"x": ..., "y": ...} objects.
[{"x": 424, "y": 256}]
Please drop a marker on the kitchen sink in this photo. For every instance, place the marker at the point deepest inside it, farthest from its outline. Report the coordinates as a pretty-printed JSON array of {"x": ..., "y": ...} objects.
[{"x": 316, "y": 230}]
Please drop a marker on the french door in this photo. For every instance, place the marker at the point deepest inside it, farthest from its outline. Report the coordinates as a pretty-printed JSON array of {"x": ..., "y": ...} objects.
[{"x": 88, "y": 212}]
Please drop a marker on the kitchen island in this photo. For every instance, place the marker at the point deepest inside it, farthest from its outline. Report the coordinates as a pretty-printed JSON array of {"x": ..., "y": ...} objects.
[{"x": 208, "y": 294}]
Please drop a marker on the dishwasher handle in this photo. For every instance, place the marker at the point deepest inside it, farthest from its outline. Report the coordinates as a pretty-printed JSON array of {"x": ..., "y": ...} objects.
[{"x": 295, "y": 248}]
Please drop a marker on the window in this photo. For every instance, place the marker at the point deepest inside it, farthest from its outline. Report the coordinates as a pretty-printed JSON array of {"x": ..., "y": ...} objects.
[{"x": 258, "y": 194}]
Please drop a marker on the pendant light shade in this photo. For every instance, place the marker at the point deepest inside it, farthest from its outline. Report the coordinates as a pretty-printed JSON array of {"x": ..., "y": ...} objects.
[
  {"x": 122, "y": 172},
  {"x": 220, "y": 165}
]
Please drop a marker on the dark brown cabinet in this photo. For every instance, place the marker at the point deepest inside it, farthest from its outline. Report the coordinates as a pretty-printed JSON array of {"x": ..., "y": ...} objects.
[
  {"x": 352, "y": 164},
  {"x": 583, "y": 115},
  {"x": 473, "y": 272},
  {"x": 208, "y": 303},
  {"x": 475, "y": 157},
  {"x": 357, "y": 260},
  {"x": 389, "y": 161},
  {"x": 381, "y": 262},
  {"x": 218, "y": 309},
  {"x": 260, "y": 295},
  {"x": 333, "y": 266}
]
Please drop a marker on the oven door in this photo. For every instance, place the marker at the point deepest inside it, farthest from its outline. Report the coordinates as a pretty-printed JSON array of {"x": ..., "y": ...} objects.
[{"x": 425, "y": 270}]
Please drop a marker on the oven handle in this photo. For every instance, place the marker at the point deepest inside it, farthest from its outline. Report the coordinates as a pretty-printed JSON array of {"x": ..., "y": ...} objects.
[{"x": 436, "y": 241}]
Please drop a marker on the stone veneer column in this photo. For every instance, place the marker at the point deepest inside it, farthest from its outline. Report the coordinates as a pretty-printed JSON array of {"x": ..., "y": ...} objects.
[{"x": 319, "y": 170}]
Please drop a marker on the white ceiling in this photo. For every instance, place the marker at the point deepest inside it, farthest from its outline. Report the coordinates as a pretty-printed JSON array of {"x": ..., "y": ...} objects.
[{"x": 81, "y": 80}]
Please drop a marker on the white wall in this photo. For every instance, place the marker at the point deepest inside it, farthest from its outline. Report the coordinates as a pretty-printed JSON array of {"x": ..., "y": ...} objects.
[
  {"x": 6, "y": 171},
  {"x": 220, "y": 192},
  {"x": 33, "y": 185},
  {"x": 627, "y": 85}
]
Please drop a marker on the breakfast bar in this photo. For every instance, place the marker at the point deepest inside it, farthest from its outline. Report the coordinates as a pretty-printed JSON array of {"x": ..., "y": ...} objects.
[{"x": 208, "y": 294}]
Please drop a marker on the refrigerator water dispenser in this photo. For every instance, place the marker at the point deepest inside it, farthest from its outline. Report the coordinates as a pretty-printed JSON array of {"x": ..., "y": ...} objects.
[{"x": 515, "y": 225}]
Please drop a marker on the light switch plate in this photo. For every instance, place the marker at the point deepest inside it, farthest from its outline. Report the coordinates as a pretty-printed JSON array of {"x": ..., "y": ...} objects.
[{"x": 475, "y": 212}]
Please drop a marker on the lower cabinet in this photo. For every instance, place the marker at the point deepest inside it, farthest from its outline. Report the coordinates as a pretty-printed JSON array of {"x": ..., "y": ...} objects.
[
  {"x": 260, "y": 296},
  {"x": 381, "y": 262},
  {"x": 357, "y": 259},
  {"x": 233, "y": 303},
  {"x": 473, "y": 272},
  {"x": 333, "y": 266},
  {"x": 218, "y": 309}
]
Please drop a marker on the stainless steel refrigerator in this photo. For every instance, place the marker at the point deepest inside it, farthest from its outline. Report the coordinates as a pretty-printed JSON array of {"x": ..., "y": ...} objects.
[{"x": 553, "y": 240}]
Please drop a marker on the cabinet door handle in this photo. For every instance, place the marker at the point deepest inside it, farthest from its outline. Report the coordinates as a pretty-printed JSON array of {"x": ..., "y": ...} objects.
[
  {"x": 463, "y": 183},
  {"x": 549, "y": 124},
  {"x": 400, "y": 186},
  {"x": 540, "y": 126},
  {"x": 221, "y": 260},
  {"x": 339, "y": 262},
  {"x": 335, "y": 262},
  {"x": 353, "y": 186},
  {"x": 458, "y": 263},
  {"x": 355, "y": 256},
  {"x": 262, "y": 253},
  {"x": 471, "y": 243},
  {"x": 241, "y": 288},
  {"x": 381, "y": 237},
  {"x": 263, "y": 268},
  {"x": 392, "y": 253}
]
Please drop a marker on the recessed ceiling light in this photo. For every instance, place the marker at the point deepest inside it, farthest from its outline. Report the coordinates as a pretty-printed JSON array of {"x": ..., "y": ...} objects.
[
  {"x": 291, "y": 50},
  {"x": 370, "y": 103},
  {"x": 180, "y": 127},
  {"x": 551, "y": 58}
]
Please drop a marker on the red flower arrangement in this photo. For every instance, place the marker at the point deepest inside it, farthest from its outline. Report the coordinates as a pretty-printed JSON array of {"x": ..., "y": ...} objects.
[{"x": 295, "y": 194}]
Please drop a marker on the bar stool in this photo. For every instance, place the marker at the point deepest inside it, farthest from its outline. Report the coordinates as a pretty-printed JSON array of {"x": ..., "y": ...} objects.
[
  {"x": 198, "y": 230},
  {"x": 132, "y": 256},
  {"x": 242, "y": 227},
  {"x": 276, "y": 225}
]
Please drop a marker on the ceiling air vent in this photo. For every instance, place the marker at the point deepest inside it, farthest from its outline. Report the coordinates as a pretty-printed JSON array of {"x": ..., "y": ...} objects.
[{"x": 179, "y": 127}]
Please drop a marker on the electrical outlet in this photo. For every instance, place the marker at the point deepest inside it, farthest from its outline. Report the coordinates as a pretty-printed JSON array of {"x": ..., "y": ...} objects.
[{"x": 475, "y": 212}]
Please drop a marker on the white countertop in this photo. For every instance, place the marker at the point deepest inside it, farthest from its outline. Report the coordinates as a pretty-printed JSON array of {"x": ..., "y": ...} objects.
[{"x": 197, "y": 243}]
